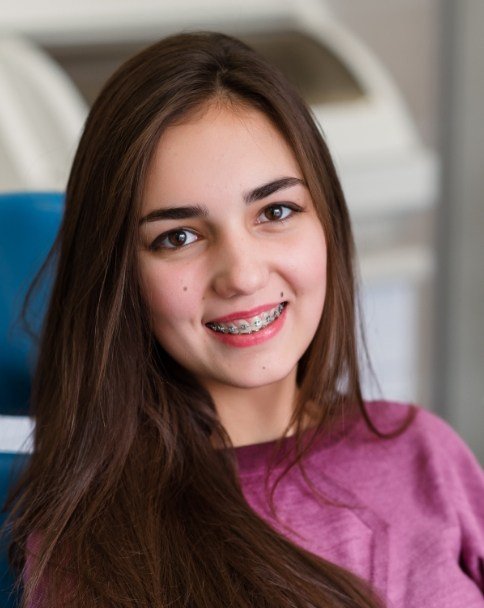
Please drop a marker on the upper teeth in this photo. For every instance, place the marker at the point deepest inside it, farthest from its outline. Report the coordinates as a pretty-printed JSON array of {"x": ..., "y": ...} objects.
[{"x": 249, "y": 326}]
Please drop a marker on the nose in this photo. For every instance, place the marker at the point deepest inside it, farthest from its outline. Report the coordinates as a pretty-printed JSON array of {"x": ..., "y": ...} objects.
[{"x": 240, "y": 267}]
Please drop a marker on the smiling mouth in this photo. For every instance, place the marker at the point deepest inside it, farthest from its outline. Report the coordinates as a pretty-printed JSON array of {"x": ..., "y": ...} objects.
[{"x": 251, "y": 325}]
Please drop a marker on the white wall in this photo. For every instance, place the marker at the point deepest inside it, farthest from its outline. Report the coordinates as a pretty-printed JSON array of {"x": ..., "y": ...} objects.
[{"x": 460, "y": 336}]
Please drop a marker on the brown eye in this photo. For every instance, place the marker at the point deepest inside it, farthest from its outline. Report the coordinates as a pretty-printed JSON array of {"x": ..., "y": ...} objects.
[
  {"x": 278, "y": 213},
  {"x": 274, "y": 213},
  {"x": 175, "y": 239}
]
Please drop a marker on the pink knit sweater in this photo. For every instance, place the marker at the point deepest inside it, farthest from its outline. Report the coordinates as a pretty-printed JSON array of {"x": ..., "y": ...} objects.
[
  {"x": 413, "y": 520},
  {"x": 409, "y": 516}
]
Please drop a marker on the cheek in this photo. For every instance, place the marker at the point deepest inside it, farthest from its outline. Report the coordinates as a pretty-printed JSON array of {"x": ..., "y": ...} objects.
[
  {"x": 308, "y": 265},
  {"x": 170, "y": 296}
]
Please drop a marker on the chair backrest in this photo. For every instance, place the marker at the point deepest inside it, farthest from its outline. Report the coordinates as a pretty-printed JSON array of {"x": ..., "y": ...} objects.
[
  {"x": 10, "y": 467},
  {"x": 29, "y": 223}
]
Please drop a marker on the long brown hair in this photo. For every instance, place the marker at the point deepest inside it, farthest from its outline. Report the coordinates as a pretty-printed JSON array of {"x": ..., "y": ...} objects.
[{"x": 132, "y": 503}]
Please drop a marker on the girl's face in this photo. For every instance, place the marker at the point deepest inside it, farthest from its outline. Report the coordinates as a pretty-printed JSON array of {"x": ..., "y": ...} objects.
[{"x": 233, "y": 256}]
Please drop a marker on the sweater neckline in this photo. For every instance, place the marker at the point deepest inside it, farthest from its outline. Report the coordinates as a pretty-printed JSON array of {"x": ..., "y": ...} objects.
[{"x": 253, "y": 459}]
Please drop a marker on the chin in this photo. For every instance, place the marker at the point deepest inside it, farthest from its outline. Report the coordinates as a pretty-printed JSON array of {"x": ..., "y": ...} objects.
[{"x": 257, "y": 379}]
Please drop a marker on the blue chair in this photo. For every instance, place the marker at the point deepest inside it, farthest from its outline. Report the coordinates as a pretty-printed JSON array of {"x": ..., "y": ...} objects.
[
  {"x": 29, "y": 223},
  {"x": 10, "y": 467}
]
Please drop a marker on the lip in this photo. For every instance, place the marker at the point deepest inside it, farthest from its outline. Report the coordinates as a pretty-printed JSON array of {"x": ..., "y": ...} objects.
[
  {"x": 247, "y": 340},
  {"x": 244, "y": 314}
]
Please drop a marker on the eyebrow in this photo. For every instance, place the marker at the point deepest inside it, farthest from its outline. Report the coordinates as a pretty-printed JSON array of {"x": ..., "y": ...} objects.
[{"x": 195, "y": 211}]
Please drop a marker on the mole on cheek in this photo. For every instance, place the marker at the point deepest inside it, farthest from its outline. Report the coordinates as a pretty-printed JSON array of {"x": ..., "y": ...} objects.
[
  {"x": 185, "y": 288},
  {"x": 282, "y": 294}
]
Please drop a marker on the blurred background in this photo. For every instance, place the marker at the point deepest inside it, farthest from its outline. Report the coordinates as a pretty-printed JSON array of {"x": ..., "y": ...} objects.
[{"x": 397, "y": 88}]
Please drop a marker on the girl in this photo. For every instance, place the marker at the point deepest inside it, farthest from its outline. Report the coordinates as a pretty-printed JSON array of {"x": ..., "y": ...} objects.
[{"x": 201, "y": 436}]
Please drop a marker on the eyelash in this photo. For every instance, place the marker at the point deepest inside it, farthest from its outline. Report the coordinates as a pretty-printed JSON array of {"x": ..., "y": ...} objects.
[{"x": 157, "y": 243}]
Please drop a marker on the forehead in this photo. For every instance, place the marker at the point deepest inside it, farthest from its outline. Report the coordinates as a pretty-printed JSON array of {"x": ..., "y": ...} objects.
[{"x": 221, "y": 151}]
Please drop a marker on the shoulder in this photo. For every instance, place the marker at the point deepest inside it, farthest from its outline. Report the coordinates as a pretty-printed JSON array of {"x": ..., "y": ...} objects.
[
  {"x": 424, "y": 427},
  {"x": 426, "y": 470},
  {"x": 443, "y": 484},
  {"x": 429, "y": 444}
]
